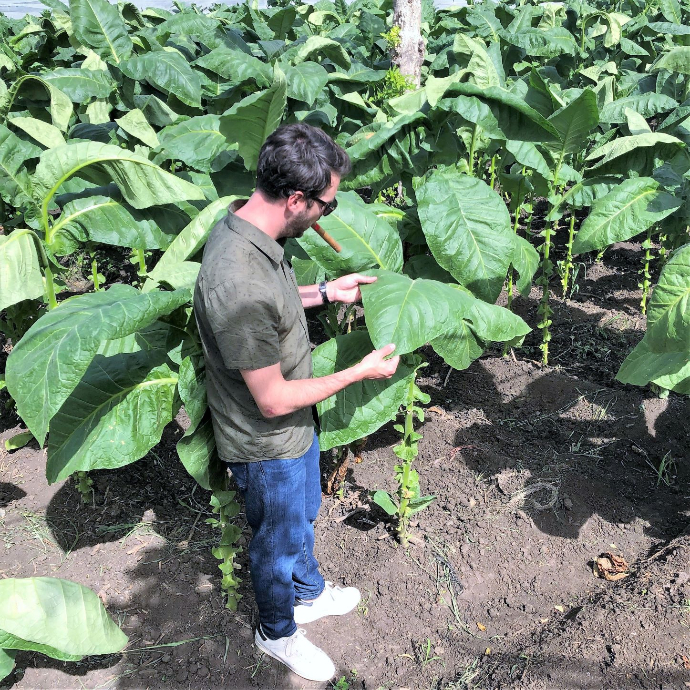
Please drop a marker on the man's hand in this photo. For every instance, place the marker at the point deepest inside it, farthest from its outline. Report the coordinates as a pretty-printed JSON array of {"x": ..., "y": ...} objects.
[
  {"x": 376, "y": 366},
  {"x": 346, "y": 289}
]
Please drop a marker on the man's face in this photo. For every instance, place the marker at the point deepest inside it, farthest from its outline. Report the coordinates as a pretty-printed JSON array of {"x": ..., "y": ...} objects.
[{"x": 303, "y": 218}]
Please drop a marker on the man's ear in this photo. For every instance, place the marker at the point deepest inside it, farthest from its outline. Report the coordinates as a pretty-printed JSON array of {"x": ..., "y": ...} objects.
[{"x": 294, "y": 201}]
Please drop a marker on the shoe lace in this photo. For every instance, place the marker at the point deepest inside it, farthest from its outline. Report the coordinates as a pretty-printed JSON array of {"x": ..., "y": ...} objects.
[
  {"x": 296, "y": 647},
  {"x": 330, "y": 588}
]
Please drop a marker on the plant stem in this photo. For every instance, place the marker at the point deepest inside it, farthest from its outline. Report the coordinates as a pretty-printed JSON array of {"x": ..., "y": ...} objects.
[
  {"x": 518, "y": 210},
  {"x": 493, "y": 170},
  {"x": 94, "y": 274},
  {"x": 225, "y": 504},
  {"x": 404, "y": 493},
  {"x": 50, "y": 288},
  {"x": 544, "y": 309},
  {"x": 646, "y": 282},
  {"x": 569, "y": 256},
  {"x": 473, "y": 145},
  {"x": 142, "y": 262}
]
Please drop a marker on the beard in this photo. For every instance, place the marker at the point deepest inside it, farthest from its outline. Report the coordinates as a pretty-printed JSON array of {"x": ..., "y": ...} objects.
[{"x": 297, "y": 226}]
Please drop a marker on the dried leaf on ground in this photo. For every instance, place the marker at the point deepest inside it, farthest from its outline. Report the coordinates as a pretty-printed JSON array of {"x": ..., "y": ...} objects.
[{"x": 610, "y": 567}]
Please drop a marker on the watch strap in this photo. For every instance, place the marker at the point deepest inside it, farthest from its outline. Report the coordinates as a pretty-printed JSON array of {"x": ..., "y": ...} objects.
[{"x": 324, "y": 294}]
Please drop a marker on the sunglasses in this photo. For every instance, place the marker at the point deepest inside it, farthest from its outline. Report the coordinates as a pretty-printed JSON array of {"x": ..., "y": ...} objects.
[{"x": 327, "y": 207}]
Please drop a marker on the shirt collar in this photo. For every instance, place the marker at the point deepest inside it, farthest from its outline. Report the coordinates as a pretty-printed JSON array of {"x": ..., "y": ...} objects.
[{"x": 257, "y": 237}]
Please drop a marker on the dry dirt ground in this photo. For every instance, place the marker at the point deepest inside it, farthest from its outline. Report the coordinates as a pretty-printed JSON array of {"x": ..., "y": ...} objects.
[{"x": 537, "y": 471}]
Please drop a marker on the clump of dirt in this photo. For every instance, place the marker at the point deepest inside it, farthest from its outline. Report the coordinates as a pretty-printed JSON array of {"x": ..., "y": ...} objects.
[{"x": 537, "y": 471}]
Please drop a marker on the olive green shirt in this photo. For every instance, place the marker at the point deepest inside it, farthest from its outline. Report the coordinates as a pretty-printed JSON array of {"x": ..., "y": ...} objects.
[{"x": 250, "y": 316}]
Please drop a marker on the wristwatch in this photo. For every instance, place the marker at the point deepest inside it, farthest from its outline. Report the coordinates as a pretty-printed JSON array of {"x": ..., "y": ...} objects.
[{"x": 324, "y": 294}]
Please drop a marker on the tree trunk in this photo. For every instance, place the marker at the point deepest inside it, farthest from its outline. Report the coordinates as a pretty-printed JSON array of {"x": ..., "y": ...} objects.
[{"x": 409, "y": 55}]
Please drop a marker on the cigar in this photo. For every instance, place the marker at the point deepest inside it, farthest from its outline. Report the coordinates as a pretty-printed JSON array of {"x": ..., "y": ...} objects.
[{"x": 322, "y": 233}]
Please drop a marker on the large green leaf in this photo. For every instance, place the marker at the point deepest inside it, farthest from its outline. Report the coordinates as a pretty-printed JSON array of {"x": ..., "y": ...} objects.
[
  {"x": 316, "y": 46},
  {"x": 198, "y": 453},
  {"x": 43, "y": 132},
  {"x": 406, "y": 312},
  {"x": 168, "y": 71},
  {"x": 50, "y": 360},
  {"x": 646, "y": 104},
  {"x": 249, "y": 122},
  {"x": 573, "y": 124},
  {"x": 669, "y": 370},
  {"x": 539, "y": 43},
  {"x": 59, "y": 614},
  {"x": 20, "y": 277},
  {"x": 488, "y": 321},
  {"x": 79, "y": 85},
  {"x": 236, "y": 66},
  {"x": 668, "y": 315},
  {"x": 189, "y": 241},
  {"x": 12, "y": 642},
  {"x": 583, "y": 194},
  {"x": 104, "y": 219},
  {"x": 187, "y": 24},
  {"x": 411, "y": 313},
  {"x": 467, "y": 226},
  {"x": 60, "y": 105},
  {"x": 635, "y": 152},
  {"x": 386, "y": 150},
  {"x": 367, "y": 241},
  {"x": 675, "y": 60},
  {"x": 15, "y": 183},
  {"x": 516, "y": 119},
  {"x": 363, "y": 407},
  {"x": 196, "y": 142},
  {"x": 114, "y": 416},
  {"x": 306, "y": 81},
  {"x": 480, "y": 68},
  {"x": 627, "y": 210},
  {"x": 141, "y": 182},
  {"x": 134, "y": 122},
  {"x": 459, "y": 347},
  {"x": 6, "y": 662},
  {"x": 282, "y": 22},
  {"x": 671, "y": 10},
  {"x": 526, "y": 262},
  {"x": 527, "y": 154},
  {"x": 197, "y": 448},
  {"x": 98, "y": 25},
  {"x": 475, "y": 111}
]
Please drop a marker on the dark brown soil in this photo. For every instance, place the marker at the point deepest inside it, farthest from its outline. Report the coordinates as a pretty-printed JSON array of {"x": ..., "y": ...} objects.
[{"x": 537, "y": 470}]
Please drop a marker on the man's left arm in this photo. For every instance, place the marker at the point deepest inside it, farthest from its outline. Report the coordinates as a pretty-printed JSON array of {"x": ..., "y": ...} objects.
[{"x": 344, "y": 289}]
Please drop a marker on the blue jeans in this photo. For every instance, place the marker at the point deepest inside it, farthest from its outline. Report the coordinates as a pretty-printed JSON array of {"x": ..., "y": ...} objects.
[{"x": 282, "y": 499}]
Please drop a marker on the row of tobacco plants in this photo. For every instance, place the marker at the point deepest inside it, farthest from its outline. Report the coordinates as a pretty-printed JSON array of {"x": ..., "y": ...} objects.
[{"x": 135, "y": 129}]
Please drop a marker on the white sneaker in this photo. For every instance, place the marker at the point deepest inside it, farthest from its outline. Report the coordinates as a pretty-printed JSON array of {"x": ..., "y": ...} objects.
[
  {"x": 298, "y": 654},
  {"x": 333, "y": 601}
]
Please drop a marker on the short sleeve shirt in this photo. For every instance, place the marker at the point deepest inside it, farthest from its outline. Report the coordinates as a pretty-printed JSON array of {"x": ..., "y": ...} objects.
[{"x": 250, "y": 316}]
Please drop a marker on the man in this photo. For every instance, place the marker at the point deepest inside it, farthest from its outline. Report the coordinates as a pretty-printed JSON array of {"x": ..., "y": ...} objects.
[{"x": 251, "y": 319}]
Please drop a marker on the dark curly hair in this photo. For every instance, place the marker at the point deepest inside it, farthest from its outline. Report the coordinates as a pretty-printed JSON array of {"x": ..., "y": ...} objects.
[{"x": 299, "y": 157}]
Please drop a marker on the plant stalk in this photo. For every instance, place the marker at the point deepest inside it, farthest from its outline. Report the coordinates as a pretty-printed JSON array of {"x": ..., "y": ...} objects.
[
  {"x": 142, "y": 262},
  {"x": 544, "y": 310},
  {"x": 646, "y": 275},
  {"x": 473, "y": 145},
  {"x": 94, "y": 274},
  {"x": 404, "y": 489},
  {"x": 567, "y": 269},
  {"x": 50, "y": 288}
]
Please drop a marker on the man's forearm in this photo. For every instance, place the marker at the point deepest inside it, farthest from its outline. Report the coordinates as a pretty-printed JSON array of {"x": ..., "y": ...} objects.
[
  {"x": 310, "y": 296},
  {"x": 291, "y": 396}
]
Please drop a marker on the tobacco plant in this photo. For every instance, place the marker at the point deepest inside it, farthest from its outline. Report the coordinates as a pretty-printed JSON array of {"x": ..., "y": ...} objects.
[{"x": 407, "y": 500}]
